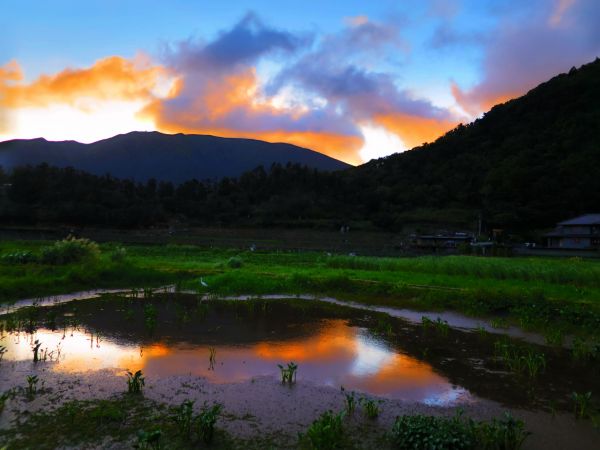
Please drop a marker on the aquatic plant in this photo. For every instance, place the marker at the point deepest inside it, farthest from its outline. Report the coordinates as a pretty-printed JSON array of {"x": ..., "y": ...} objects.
[
  {"x": 499, "y": 323},
  {"x": 518, "y": 360},
  {"x": 184, "y": 415},
  {"x": 384, "y": 327},
  {"x": 584, "y": 350},
  {"x": 150, "y": 316},
  {"x": 554, "y": 336},
  {"x": 534, "y": 362},
  {"x": 35, "y": 348},
  {"x": 426, "y": 322},
  {"x": 442, "y": 326},
  {"x": 3, "y": 350},
  {"x": 149, "y": 440},
  {"x": 350, "y": 401},
  {"x": 135, "y": 382},
  {"x": 582, "y": 403},
  {"x": 212, "y": 358},
  {"x": 3, "y": 398},
  {"x": 481, "y": 331},
  {"x": 370, "y": 407},
  {"x": 32, "y": 381},
  {"x": 422, "y": 432},
  {"x": 206, "y": 421},
  {"x": 288, "y": 373},
  {"x": 325, "y": 433},
  {"x": 439, "y": 325}
]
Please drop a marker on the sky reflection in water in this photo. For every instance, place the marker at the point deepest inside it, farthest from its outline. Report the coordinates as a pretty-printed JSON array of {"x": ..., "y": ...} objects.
[{"x": 333, "y": 354}]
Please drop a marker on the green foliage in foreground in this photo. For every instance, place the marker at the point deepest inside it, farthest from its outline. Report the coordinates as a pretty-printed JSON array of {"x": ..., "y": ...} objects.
[
  {"x": 325, "y": 433},
  {"x": 127, "y": 420},
  {"x": 419, "y": 432}
]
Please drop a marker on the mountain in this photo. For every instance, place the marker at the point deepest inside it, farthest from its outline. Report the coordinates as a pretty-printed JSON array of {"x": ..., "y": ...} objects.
[
  {"x": 527, "y": 163},
  {"x": 176, "y": 158}
]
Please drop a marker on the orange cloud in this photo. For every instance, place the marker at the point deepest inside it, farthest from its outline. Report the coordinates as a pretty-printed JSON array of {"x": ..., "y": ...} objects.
[
  {"x": 112, "y": 78},
  {"x": 478, "y": 100},
  {"x": 414, "y": 130},
  {"x": 208, "y": 114}
]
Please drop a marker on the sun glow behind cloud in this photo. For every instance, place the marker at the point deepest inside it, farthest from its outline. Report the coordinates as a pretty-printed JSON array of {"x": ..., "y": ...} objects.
[
  {"x": 102, "y": 120},
  {"x": 379, "y": 142},
  {"x": 362, "y": 89}
]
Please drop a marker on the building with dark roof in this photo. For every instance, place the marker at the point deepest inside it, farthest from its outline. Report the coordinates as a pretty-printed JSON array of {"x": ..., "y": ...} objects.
[{"x": 582, "y": 232}]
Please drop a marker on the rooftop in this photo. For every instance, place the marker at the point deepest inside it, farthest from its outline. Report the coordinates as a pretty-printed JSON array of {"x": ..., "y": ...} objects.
[{"x": 586, "y": 219}]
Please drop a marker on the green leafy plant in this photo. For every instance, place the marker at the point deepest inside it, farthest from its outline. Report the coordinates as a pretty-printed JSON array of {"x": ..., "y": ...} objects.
[
  {"x": 420, "y": 432},
  {"x": 350, "y": 401},
  {"x": 554, "y": 336},
  {"x": 32, "y": 381},
  {"x": 288, "y": 373},
  {"x": 206, "y": 421},
  {"x": 325, "y": 433},
  {"x": 370, "y": 407},
  {"x": 184, "y": 416},
  {"x": 519, "y": 360},
  {"x": 585, "y": 351},
  {"x": 3, "y": 350},
  {"x": 149, "y": 440},
  {"x": 135, "y": 382},
  {"x": 582, "y": 404},
  {"x": 507, "y": 433},
  {"x": 150, "y": 316}
]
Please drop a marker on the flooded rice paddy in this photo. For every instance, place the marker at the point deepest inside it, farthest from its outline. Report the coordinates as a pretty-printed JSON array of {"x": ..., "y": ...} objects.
[
  {"x": 234, "y": 346},
  {"x": 333, "y": 345}
]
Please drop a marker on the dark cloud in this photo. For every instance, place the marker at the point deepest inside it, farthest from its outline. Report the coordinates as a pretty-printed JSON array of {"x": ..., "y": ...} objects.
[{"x": 243, "y": 44}]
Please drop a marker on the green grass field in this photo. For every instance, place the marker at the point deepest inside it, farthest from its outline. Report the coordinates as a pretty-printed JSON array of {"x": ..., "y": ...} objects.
[{"x": 536, "y": 293}]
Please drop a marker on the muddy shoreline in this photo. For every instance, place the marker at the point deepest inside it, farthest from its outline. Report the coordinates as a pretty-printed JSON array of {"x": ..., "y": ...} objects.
[{"x": 263, "y": 406}]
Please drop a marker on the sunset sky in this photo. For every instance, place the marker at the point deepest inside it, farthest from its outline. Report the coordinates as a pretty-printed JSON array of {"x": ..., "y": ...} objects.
[{"x": 352, "y": 79}]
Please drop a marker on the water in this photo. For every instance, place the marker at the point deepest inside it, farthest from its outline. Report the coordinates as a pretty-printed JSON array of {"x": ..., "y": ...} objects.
[{"x": 333, "y": 345}]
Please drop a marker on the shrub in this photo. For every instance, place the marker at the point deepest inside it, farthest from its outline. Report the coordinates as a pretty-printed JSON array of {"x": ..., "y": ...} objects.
[
  {"x": 325, "y": 433},
  {"x": 235, "y": 262},
  {"x": 70, "y": 250}
]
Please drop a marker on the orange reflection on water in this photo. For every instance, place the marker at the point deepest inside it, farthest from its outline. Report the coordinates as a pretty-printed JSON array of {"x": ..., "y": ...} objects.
[{"x": 333, "y": 354}]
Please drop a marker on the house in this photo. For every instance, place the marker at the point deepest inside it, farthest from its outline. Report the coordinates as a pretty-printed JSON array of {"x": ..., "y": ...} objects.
[
  {"x": 582, "y": 232},
  {"x": 446, "y": 240}
]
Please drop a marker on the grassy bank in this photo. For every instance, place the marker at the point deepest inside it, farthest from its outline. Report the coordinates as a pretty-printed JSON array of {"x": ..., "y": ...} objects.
[{"x": 532, "y": 292}]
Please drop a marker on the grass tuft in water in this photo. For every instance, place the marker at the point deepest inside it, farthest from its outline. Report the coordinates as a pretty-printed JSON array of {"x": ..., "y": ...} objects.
[
  {"x": 135, "y": 382},
  {"x": 582, "y": 404},
  {"x": 288, "y": 373}
]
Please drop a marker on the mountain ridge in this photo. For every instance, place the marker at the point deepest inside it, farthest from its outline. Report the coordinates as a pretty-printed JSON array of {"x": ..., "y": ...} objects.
[{"x": 169, "y": 157}]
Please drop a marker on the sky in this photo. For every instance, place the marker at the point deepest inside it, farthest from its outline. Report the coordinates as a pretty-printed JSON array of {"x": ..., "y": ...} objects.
[{"x": 352, "y": 79}]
